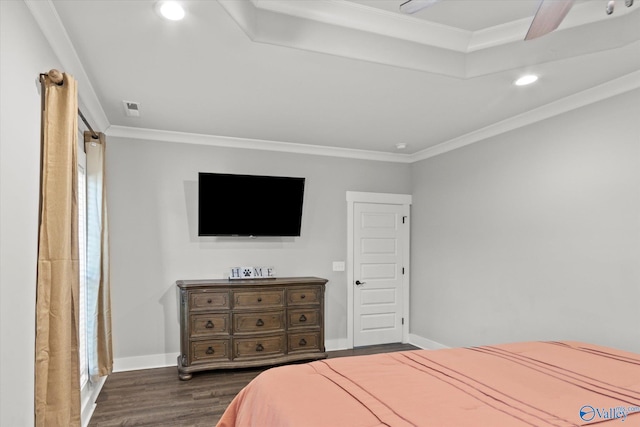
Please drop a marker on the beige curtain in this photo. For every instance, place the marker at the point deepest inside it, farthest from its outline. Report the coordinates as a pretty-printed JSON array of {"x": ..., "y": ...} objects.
[
  {"x": 57, "y": 383},
  {"x": 98, "y": 286}
]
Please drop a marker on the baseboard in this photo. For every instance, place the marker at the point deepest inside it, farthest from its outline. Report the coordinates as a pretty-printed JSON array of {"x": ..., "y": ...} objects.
[
  {"x": 145, "y": 362},
  {"x": 417, "y": 340},
  {"x": 336, "y": 344},
  {"x": 170, "y": 359},
  {"x": 425, "y": 343},
  {"x": 89, "y": 397}
]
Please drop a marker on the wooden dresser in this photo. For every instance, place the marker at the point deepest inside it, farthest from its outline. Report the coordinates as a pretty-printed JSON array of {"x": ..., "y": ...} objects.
[{"x": 228, "y": 324}]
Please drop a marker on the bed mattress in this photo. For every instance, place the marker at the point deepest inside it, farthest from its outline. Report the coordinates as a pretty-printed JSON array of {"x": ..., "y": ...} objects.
[{"x": 520, "y": 384}]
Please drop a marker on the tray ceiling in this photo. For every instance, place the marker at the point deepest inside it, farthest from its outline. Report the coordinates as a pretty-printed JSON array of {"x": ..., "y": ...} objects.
[{"x": 352, "y": 78}]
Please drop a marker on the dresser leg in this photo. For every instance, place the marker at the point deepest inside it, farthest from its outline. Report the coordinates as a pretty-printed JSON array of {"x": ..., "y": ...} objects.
[{"x": 184, "y": 377}]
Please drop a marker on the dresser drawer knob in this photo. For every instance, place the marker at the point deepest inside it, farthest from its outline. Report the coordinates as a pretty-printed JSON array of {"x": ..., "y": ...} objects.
[
  {"x": 209, "y": 350},
  {"x": 303, "y": 296},
  {"x": 259, "y": 347},
  {"x": 302, "y": 342},
  {"x": 209, "y": 324},
  {"x": 209, "y": 301},
  {"x": 259, "y": 299},
  {"x": 303, "y": 318},
  {"x": 260, "y": 322}
]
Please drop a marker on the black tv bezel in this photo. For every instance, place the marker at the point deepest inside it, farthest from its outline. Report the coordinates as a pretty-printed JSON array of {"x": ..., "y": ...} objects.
[{"x": 297, "y": 228}]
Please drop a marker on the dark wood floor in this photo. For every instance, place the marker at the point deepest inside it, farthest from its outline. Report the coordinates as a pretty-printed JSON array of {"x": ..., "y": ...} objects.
[{"x": 156, "y": 397}]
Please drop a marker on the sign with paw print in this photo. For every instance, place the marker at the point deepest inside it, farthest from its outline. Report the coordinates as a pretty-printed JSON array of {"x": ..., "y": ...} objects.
[{"x": 238, "y": 273}]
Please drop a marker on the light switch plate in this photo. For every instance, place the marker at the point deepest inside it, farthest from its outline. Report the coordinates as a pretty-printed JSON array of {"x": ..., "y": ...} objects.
[{"x": 338, "y": 266}]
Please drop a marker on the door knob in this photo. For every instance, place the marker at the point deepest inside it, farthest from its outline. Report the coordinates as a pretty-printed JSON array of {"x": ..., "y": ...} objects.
[{"x": 358, "y": 282}]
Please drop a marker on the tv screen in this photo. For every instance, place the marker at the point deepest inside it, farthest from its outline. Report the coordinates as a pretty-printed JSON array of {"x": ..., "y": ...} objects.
[{"x": 249, "y": 205}]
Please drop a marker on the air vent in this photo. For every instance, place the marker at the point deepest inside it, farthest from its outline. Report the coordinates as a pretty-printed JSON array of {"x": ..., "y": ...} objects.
[{"x": 131, "y": 109}]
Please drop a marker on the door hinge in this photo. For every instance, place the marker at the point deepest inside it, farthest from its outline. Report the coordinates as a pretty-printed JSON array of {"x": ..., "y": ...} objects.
[
  {"x": 403, "y": 320},
  {"x": 402, "y": 270},
  {"x": 404, "y": 218}
]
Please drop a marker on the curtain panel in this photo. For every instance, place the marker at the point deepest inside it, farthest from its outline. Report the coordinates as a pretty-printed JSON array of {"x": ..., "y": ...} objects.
[
  {"x": 57, "y": 391},
  {"x": 98, "y": 285}
]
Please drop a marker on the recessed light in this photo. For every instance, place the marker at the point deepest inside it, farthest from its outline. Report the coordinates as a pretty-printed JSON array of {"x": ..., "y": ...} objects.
[
  {"x": 526, "y": 80},
  {"x": 401, "y": 146},
  {"x": 171, "y": 10}
]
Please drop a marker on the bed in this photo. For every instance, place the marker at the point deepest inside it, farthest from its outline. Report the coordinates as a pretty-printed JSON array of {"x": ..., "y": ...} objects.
[{"x": 520, "y": 384}]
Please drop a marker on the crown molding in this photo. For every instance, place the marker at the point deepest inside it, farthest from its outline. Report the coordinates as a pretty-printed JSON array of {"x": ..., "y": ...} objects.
[
  {"x": 49, "y": 22},
  {"x": 409, "y": 28},
  {"x": 351, "y": 30},
  {"x": 356, "y": 16},
  {"x": 352, "y": 38},
  {"x": 252, "y": 144},
  {"x": 47, "y": 18},
  {"x": 592, "y": 95}
]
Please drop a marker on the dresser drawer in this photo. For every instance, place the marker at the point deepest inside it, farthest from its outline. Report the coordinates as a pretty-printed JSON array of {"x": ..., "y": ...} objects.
[
  {"x": 308, "y": 317},
  {"x": 304, "y": 341},
  {"x": 208, "y": 300},
  {"x": 264, "y": 321},
  {"x": 209, "y": 350},
  {"x": 258, "y": 299},
  {"x": 304, "y": 296},
  {"x": 209, "y": 324},
  {"x": 248, "y": 323},
  {"x": 244, "y": 348}
]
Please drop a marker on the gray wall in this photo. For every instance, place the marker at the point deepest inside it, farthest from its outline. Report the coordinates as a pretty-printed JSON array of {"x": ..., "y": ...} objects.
[
  {"x": 24, "y": 53},
  {"x": 530, "y": 235},
  {"x": 152, "y": 195},
  {"x": 533, "y": 234}
]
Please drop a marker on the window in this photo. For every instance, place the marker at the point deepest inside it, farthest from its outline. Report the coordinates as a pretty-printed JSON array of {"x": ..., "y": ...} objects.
[
  {"x": 90, "y": 270},
  {"x": 88, "y": 390},
  {"x": 82, "y": 246}
]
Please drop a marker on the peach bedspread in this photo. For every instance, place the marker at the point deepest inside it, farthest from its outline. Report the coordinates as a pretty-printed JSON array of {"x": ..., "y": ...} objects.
[{"x": 523, "y": 384}]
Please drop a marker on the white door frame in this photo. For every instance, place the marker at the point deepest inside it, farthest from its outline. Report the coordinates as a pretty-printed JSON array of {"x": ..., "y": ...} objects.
[{"x": 387, "y": 199}]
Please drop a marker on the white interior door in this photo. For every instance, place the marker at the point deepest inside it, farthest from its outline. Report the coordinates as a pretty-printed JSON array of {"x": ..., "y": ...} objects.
[{"x": 378, "y": 257}]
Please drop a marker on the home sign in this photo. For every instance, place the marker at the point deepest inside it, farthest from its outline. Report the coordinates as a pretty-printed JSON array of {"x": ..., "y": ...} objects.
[{"x": 252, "y": 273}]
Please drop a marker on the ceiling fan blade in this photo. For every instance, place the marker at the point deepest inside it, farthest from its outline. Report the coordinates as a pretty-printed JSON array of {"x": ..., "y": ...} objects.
[
  {"x": 412, "y": 6},
  {"x": 549, "y": 15}
]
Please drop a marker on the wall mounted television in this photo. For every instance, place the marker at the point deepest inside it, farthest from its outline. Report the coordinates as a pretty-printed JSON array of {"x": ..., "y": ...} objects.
[{"x": 249, "y": 205}]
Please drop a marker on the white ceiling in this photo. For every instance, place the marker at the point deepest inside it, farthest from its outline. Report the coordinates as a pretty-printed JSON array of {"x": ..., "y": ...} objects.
[{"x": 343, "y": 74}]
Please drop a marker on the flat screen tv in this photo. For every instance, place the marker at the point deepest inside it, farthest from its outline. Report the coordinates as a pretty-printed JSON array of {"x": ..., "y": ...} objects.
[{"x": 249, "y": 205}]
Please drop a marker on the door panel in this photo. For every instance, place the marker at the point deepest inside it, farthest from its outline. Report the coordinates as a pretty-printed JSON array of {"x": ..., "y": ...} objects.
[
  {"x": 376, "y": 219},
  {"x": 378, "y": 296},
  {"x": 379, "y": 246},
  {"x": 377, "y": 322},
  {"x": 378, "y": 271},
  {"x": 378, "y": 261}
]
